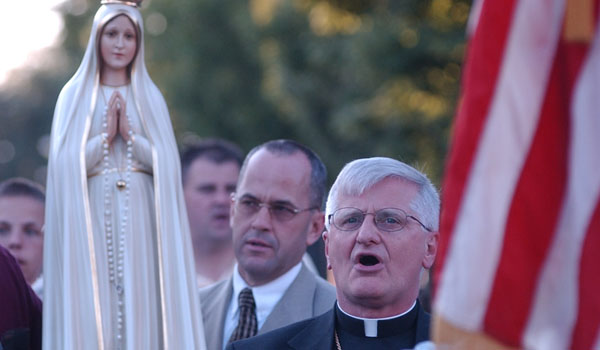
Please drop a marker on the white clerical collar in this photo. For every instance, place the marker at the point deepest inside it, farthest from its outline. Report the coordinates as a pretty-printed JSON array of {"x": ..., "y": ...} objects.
[
  {"x": 370, "y": 324},
  {"x": 267, "y": 295}
]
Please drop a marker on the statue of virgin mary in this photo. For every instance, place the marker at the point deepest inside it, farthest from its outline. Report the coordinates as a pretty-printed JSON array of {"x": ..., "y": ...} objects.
[{"x": 118, "y": 265}]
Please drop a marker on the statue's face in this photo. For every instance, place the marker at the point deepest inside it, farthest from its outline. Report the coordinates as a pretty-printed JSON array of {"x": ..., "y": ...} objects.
[{"x": 118, "y": 43}]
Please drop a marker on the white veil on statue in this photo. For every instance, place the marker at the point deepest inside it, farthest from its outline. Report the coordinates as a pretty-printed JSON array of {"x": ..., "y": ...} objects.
[{"x": 72, "y": 312}]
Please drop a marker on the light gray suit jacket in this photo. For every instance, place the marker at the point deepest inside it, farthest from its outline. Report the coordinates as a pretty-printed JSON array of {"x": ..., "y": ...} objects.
[{"x": 308, "y": 296}]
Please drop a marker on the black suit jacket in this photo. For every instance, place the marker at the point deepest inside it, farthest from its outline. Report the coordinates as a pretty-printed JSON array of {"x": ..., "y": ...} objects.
[{"x": 313, "y": 334}]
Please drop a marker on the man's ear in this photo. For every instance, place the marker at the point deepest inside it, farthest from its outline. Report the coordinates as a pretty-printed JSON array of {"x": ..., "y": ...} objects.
[
  {"x": 325, "y": 236},
  {"x": 317, "y": 224},
  {"x": 431, "y": 244}
]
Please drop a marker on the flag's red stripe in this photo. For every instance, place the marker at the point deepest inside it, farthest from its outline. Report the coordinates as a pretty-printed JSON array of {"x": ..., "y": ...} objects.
[
  {"x": 484, "y": 59},
  {"x": 588, "y": 312},
  {"x": 536, "y": 205}
]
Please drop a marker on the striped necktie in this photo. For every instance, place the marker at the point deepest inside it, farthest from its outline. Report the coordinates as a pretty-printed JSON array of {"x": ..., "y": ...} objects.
[{"x": 247, "y": 324}]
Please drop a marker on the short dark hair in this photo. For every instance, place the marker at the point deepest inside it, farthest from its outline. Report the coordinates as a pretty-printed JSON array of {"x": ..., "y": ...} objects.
[
  {"x": 213, "y": 149},
  {"x": 318, "y": 174},
  {"x": 18, "y": 186}
]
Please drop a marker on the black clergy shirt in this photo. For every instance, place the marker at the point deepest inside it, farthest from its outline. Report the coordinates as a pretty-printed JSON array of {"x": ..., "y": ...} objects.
[{"x": 395, "y": 333}]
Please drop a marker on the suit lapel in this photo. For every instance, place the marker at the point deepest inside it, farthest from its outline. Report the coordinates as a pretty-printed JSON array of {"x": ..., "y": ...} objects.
[
  {"x": 215, "y": 311},
  {"x": 317, "y": 335},
  {"x": 295, "y": 305}
]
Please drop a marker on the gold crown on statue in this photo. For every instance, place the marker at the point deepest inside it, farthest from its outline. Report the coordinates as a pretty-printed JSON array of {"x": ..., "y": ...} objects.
[{"x": 134, "y": 3}]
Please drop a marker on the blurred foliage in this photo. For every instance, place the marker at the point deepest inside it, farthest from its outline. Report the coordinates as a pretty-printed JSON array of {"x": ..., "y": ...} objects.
[{"x": 348, "y": 78}]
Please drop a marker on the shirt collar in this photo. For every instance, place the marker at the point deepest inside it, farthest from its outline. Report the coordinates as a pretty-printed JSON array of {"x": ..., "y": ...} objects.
[
  {"x": 374, "y": 327},
  {"x": 267, "y": 295}
]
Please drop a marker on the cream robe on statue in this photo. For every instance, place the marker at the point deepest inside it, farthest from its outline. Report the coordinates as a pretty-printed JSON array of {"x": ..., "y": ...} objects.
[{"x": 161, "y": 307}]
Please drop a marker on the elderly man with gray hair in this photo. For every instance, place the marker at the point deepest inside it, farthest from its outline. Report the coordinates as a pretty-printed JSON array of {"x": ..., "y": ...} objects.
[{"x": 382, "y": 219}]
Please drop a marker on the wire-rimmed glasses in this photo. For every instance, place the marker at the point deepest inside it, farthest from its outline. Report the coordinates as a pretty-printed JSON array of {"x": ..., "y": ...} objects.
[
  {"x": 280, "y": 211},
  {"x": 386, "y": 219}
]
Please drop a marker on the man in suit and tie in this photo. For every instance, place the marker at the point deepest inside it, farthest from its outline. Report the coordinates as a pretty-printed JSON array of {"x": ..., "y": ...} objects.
[
  {"x": 275, "y": 215},
  {"x": 381, "y": 233}
]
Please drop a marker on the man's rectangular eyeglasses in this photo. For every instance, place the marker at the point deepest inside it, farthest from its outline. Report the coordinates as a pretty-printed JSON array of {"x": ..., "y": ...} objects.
[
  {"x": 387, "y": 219},
  {"x": 249, "y": 206}
]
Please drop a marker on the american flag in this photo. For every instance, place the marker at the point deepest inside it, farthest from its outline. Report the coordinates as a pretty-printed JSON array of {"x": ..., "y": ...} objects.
[{"x": 519, "y": 259}]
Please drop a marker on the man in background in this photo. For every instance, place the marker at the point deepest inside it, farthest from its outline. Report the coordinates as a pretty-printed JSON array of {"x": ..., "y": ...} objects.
[
  {"x": 21, "y": 225},
  {"x": 210, "y": 170},
  {"x": 276, "y": 213}
]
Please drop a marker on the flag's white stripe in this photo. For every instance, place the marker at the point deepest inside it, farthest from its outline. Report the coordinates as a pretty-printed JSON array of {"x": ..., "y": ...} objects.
[
  {"x": 597, "y": 346},
  {"x": 477, "y": 241},
  {"x": 554, "y": 311},
  {"x": 474, "y": 16}
]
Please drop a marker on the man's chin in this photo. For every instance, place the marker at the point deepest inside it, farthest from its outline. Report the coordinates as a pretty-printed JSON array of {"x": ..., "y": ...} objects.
[
  {"x": 254, "y": 263},
  {"x": 368, "y": 287},
  {"x": 257, "y": 270}
]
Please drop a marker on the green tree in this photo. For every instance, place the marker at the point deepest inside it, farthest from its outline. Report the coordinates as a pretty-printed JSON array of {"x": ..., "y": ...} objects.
[{"x": 349, "y": 78}]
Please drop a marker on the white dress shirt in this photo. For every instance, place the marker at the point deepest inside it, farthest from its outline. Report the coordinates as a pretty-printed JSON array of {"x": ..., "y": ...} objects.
[{"x": 265, "y": 297}]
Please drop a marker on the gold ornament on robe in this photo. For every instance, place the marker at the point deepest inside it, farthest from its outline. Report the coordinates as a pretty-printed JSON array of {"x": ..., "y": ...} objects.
[{"x": 121, "y": 184}]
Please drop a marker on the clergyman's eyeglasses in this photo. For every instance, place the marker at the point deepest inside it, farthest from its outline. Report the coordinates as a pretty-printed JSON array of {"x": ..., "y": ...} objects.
[{"x": 386, "y": 219}]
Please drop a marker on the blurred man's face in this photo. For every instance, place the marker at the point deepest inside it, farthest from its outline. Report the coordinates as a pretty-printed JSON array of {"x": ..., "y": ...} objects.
[
  {"x": 265, "y": 245},
  {"x": 378, "y": 272},
  {"x": 207, "y": 190},
  {"x": 21, "y": 222}
]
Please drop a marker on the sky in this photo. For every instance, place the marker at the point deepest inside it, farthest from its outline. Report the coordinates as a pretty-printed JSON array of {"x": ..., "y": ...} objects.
[{"x": 26, "y": 28}]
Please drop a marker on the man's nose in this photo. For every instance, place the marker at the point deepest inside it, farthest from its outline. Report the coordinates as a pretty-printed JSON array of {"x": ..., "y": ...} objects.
[
  {"x": 262, "y": 219},
  {"x": 15, "y": 240},
  {"x": 223, "y": 197},
  {"x": 368, "y": 233}
]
